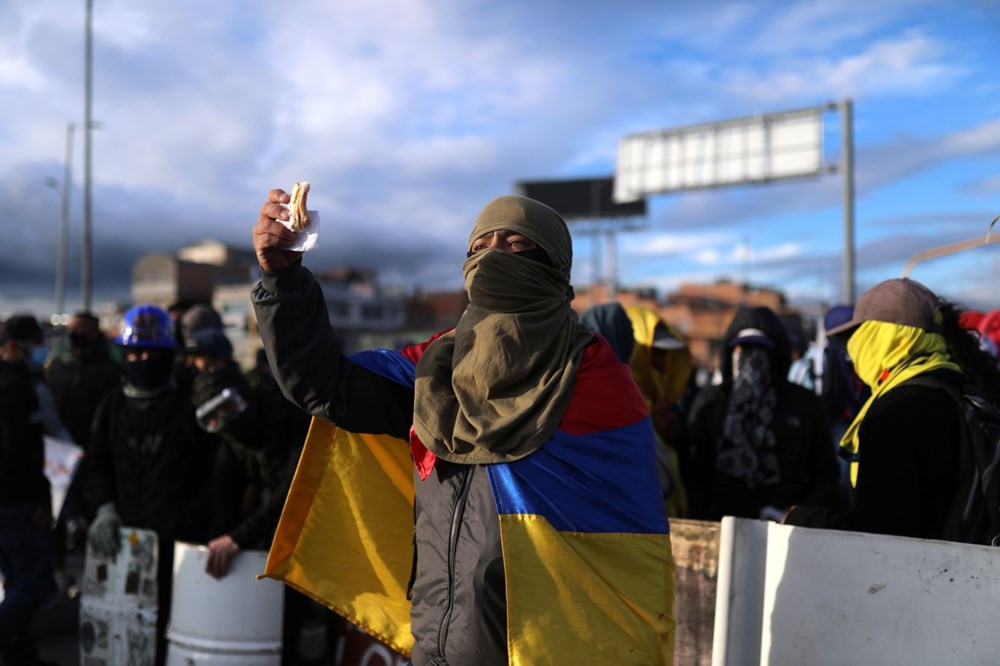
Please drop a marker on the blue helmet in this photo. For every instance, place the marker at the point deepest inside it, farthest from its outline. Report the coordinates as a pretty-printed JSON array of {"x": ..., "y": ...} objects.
[{"x": 147, "y": 326}]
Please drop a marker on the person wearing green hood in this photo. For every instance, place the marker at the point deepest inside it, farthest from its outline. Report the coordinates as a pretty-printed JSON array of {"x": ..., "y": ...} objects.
[{"x": 538, "y": 531}]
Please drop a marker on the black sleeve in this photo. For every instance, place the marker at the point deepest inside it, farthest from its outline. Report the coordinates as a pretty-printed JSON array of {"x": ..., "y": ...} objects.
[
  {"x": 306, "y": 357},
  {"x": 260, "y": 525},
  {"x": 909, "y": 456},
  {"x": 97, "y": 467}
]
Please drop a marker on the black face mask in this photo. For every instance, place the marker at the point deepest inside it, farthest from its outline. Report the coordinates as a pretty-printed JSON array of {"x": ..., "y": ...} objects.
[{"x": 151, "y": 373}]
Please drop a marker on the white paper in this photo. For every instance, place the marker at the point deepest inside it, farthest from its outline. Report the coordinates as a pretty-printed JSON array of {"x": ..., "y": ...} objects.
[
  {"x": 307, "y": 239},
  {"x": 61, "y": 461}
]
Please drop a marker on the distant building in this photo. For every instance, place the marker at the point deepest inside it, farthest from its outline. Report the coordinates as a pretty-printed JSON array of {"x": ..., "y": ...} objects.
[
  {"x": 191, "y": 276},
  {"x": 359, "y": 306}
]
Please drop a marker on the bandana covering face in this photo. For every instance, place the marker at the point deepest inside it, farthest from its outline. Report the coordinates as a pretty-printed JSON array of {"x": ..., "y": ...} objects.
[
  {"x": 886, "y": 355},
  {"x": 496, "y": 388},
  {"x": 747, "y": 450}
]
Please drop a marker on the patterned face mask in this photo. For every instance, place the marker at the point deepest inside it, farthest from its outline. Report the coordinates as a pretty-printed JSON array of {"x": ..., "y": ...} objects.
[{"x": 747, "y": 449}]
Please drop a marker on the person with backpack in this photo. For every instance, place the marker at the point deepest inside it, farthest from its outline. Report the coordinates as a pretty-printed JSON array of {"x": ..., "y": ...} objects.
[{"x": 905, "y": 446}]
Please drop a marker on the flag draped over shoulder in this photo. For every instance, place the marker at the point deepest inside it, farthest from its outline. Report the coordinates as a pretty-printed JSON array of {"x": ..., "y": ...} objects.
[{"x": 586, "y": 544}]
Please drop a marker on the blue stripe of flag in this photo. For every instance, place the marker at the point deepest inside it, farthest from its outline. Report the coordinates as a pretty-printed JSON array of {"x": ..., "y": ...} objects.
[
  {"x": 387, "y": 363},
  {"x": 598, "y": 482}
]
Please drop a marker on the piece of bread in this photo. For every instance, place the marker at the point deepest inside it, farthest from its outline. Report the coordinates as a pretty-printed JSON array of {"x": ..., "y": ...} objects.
[{"x": 297, "y": 207}]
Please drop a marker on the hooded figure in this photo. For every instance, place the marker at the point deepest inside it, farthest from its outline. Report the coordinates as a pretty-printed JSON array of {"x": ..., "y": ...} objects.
[
  {"x": 759, "y": 444},
  {"x": 531, "y": 456},
  {"x": 661, "y": 366},
  {"x": 611, "y": 321}
]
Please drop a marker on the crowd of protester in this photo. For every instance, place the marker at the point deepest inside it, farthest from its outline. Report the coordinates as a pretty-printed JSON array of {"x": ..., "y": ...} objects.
[
  {"x": 178, "y": 438},
  {"x": 175, "y": 437}
]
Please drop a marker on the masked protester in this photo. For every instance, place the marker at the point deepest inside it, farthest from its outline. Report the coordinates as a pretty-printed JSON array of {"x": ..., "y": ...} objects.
[
  {"x": 531, "y": 446},
  {"x": 904, "y": 444},
  {"x": 759, "y": 443},
  {"x": 253, "y": 468},
  {"x": 80, "y": 376},
  {"x": 149, "y": 463},
  {"x": 25, "y": 502}
]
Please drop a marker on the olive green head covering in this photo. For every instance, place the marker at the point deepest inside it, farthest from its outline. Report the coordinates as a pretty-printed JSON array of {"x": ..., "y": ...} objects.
[
  {"x": 532, "y": 219},
  {"x": 496, "y": 388}
]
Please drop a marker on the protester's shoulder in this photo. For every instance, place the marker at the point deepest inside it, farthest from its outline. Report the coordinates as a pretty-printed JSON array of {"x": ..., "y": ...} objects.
[{"x": 912, "y": 402}]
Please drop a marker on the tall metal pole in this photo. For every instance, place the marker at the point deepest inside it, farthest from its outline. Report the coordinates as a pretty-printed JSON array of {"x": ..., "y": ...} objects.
[
  {"x": 67, "y": 185},
  {"x": 86, "y": 249},
  {"x": 847, "y": 168}
]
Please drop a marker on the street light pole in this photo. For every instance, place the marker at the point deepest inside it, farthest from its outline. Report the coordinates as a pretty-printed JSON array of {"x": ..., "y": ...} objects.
[
  {"x": 86, "y": 249},
  {"x": 64, "y": 223}
]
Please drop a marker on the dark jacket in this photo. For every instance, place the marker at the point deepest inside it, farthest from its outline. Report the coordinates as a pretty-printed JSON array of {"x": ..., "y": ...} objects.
[
  {"x": 458, "y": 614},
  {"x": 151, "y": 459},
  {"x": 22, "y": 451},
  {"x": 253, "y": 472},
  {"x": 804, "y": 447},
  {"x": 908, "y": 467}
]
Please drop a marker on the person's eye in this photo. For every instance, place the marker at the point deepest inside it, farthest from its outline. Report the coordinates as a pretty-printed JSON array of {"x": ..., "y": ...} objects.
[
  {"x": 518, "y": 244},
  {"x": 479, "y": 246}
]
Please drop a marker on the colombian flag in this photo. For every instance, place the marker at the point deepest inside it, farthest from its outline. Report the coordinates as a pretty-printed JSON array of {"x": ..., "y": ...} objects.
[{"x": 586, "y": 544}]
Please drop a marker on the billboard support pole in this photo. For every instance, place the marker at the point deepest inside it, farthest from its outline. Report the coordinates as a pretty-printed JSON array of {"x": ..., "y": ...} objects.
[{"x": 847, "y": 169}]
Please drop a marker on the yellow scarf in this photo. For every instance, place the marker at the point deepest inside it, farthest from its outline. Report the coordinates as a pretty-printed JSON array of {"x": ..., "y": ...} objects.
[{"x": 886, "y": 355}]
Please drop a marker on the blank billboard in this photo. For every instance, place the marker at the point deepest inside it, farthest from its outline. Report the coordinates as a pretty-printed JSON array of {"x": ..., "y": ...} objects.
[{"x": 747, "y": 150}]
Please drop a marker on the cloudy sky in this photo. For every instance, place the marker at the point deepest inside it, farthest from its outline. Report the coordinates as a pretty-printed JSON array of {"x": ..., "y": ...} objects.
[{"x": 408, "y": 117}]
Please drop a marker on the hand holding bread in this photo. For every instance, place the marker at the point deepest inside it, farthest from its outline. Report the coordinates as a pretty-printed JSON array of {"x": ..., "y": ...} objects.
[{"x": 271, "y": 236}]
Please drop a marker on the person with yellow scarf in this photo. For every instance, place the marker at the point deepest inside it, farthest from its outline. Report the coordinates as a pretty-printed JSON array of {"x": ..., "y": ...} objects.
[
  {"x": 903, "y": 445},
  {"x": 661, "y": 366}
]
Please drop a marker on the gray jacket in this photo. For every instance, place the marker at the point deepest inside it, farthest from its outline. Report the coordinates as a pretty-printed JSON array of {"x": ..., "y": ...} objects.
[{"x": 458, "y": 614}]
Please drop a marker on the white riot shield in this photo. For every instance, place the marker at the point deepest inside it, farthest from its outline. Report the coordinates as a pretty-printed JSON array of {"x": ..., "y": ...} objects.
[{"x": 118, "y": 604}]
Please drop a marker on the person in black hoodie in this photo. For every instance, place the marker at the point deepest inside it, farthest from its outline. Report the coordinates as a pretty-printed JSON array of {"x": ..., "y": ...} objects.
[
  {"x": 756, "y": 443},
  {"x": 25, "y": 502}
]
